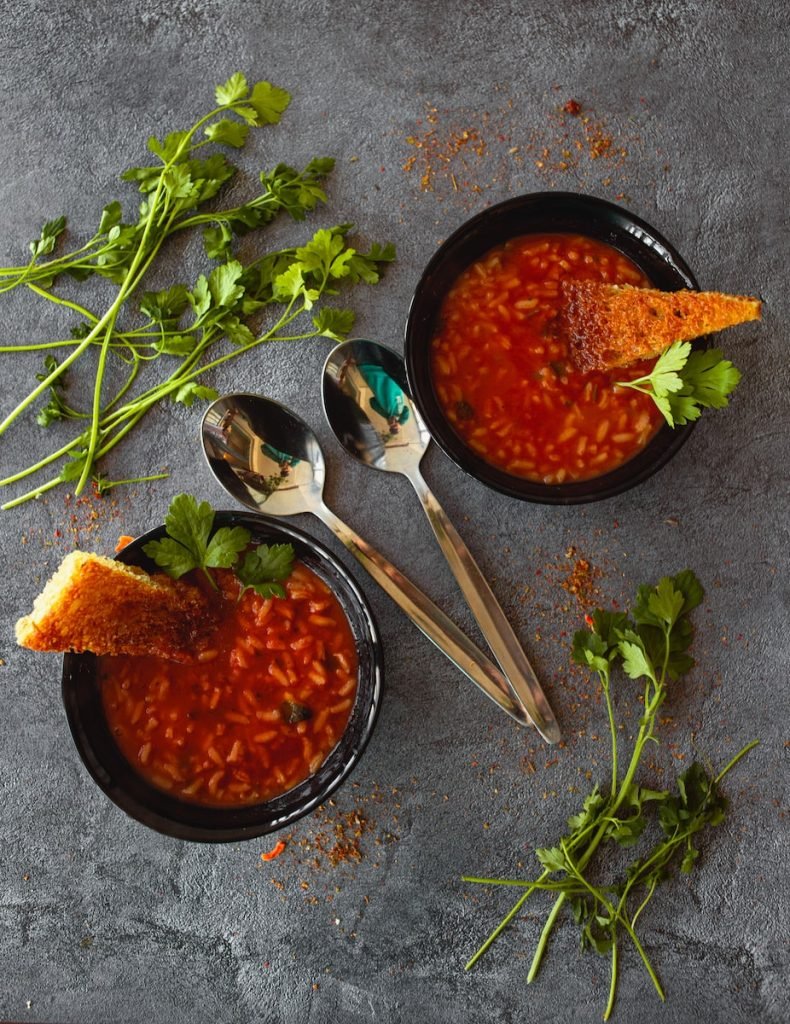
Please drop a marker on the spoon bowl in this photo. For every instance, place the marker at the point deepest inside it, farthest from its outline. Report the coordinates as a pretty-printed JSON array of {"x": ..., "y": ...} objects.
[
  {"x": 368, "y": 406},
  {"x": 262, "y": 454}
]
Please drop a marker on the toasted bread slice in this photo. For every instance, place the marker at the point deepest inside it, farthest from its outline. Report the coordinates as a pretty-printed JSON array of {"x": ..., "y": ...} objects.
[
  {"x": 96, "y": 604},
  {"x": 610, "y": 325}
]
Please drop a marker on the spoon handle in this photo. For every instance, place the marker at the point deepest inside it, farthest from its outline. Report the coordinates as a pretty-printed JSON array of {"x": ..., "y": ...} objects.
[
  {"x": 428, "y": 617},
  {"x": 504, "y": 644}
]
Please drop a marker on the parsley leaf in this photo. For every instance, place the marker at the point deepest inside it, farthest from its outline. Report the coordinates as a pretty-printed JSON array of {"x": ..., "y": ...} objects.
[
  {"x": 232, "y": 91},
  {"x": 334, "y": 323},
  {"x": 223, "y": 286},
  {"x": 264, "y": 569},
  {"x": 56, "y": 408},
  {"x": 226, "y": 545},
  {"x": 269, "y": 102},
  {"x": 188, "y": 392},
  {"x": 231, "y": 133},
  {"x": 166, "y": 305},
  {"x": 708, "y": 380},
  {"x": 50, "y": 233},
  {"x": 190, "y": 542},
  {"x": 172, "y": 556},
  {"x": 552, "y": 858},
  {"x": 110, "y": 217},
  {"x": 636, "y": 661},
  {"x": 216, "y": 241},
  {"x": 683, "y": 382},
  {"x": 176, "y": 344}
]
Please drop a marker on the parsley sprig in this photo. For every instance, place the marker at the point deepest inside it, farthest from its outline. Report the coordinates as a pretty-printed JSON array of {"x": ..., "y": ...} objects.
[
  {"x": 193, "y": 543},
  {"x": 683, "y": 382},
  {"x": 228, "y": 311},
  {"x": 651, "y": 645}
]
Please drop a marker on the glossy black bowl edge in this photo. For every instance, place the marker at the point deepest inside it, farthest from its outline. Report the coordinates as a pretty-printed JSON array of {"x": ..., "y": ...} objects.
[
  {"x": 180, "y": 819},
  {"x": 529, "y": 214}
]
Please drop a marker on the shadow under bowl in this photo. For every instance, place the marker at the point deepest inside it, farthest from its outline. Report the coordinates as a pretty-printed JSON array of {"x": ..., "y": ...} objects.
[
  {"x": 184, "y": 820},
  {"x": 538, "y": 213}
]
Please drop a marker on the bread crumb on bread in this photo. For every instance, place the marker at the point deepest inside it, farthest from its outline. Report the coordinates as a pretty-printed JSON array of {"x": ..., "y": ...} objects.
[
  {"x": 96, "y": 604},
  {"x": 611, "y": 325}
]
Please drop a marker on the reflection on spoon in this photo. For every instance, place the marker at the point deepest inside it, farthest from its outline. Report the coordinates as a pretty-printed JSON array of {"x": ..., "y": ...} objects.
[
  {"x": 368, "y": 406},
  {"x": 270, "y": 460}
]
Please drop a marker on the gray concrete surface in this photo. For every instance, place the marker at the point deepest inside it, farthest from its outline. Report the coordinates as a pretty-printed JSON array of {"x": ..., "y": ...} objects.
[{"x": 103, "y": 920}]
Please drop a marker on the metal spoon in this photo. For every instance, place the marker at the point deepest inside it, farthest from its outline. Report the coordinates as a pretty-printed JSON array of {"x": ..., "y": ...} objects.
[
  {"x": 267, "y": 458},
  {"x": 368, "y": 406}
]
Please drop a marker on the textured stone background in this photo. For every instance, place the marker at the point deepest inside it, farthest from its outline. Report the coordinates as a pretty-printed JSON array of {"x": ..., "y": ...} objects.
[{"x": 103, "y": 920}]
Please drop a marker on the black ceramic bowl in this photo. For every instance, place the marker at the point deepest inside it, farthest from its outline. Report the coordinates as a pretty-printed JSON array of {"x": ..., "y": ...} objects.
[
  {"x": 184, "y": 820},
  {"x": 566, "y": 212}
]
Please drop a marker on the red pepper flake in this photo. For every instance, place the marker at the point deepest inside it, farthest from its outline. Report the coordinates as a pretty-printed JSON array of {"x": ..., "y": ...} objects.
[
  {"x": 573, "y": 107},
  {"x": 275, "y": 851},
  {"x": 582, "y": 580},
  {"x": 122, "y": 541}
]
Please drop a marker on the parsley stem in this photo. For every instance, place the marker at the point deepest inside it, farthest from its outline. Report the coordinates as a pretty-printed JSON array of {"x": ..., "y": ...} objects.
[
  {"x": 52, "y": 457},
  {"x": 47, "y": 267},
  {"x": 544, "y": 938},
  {"x": 32, "y": 494},
  {"x": 137, "y": 269},
  {"x": 53, "y": 376},
  {"x": 93, "y": 431},
  {"x": 60, "y": 301},
  {"x": 731, "y": 764},
  {"x": 107, "y": 485},
  {"x": 503, "y": 923},
  {"x": 612, "y": 983},
  {"x": 644, "y": 902},
  {"x": 520, "y": 883},
  {"x": 645, "y": 959},
  {"x": 605, "y": 680},
  {"x": 39, "y": 346},
  {"x": 209, "y": 577}
]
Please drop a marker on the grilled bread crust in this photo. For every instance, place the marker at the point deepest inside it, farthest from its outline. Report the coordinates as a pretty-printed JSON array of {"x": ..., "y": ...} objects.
[
  {"x": 611, "y": 325},
  {"x": 93, "y": 603}
]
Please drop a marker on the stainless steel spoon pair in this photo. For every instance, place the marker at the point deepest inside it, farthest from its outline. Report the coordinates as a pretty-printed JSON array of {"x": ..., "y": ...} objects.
[{"x": 270, "y": 460}]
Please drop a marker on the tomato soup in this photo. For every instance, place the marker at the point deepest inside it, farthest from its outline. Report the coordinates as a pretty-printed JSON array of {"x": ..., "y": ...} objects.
[
  {"x": 259, "y": 711},
  {"x": 502, "y": 371}
]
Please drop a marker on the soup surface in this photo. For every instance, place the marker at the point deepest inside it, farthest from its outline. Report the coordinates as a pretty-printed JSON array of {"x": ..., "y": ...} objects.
[
  {"x": 502, "y": 372},
  {"x": 257, "y": 714}
]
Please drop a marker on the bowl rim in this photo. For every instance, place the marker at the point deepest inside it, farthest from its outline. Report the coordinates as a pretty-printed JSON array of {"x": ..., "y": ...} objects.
[
  {"x": 666, "y": 442},
  {"x": 206, "y": 823}
]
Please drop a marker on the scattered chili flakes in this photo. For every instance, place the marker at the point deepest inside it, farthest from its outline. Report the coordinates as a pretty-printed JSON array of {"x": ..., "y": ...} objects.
[
  {"x": 335, "y": 838},
  {"x": 471, "y": 151},
  {"x": 275, "y": 851},
  {"x": 454, "y": 154},
  {"x": 581, "y": 581},
  {"x": 78, "y": 518}
]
